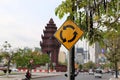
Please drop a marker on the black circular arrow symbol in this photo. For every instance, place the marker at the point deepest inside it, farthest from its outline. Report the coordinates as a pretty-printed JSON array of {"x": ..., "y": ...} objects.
[
  {"x": 64, "y": 39},
  {"x": 75, "y": 34},
  {"x": 68, "y": 26}
]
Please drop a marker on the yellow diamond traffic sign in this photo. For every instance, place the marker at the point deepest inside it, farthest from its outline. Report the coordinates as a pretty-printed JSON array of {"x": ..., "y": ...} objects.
[{"x": 68, "y": 34}]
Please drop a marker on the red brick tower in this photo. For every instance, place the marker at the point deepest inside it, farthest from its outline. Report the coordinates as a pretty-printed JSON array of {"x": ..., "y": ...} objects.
[{"x": 49, "y": 44}]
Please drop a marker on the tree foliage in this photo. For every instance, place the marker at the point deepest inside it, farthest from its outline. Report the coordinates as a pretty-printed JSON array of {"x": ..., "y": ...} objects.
[
  {"x": 89, "y": 65},
  {"x": 99, "y": 19},
  {"x": 112, "y": 44},
  {"x": 23, "y": 57},
  {"x": 7, "y": 54},
  {"x": 92, "y": 16}
]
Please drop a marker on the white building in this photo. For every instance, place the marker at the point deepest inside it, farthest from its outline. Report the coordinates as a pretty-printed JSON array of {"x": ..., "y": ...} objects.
[
  {"x": 87, "y": 52},
  {"x": 62, "y": 57},
  {"x": 94, "y": 52},
  {"x": 90, "y": 53},
  {"x": 79, "y": 56}
]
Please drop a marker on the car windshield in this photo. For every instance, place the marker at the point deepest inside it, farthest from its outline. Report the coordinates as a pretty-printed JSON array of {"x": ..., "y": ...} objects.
[
  {"x": 98, "y": 71},
  {"x": 90, "y": 70}
]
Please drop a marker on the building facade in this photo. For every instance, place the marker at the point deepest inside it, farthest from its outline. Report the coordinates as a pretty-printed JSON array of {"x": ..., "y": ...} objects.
[
  {"x": 79, "y": 56},
  {"x": 90, "y": 52},
  {"x": 62, "y": 57}
]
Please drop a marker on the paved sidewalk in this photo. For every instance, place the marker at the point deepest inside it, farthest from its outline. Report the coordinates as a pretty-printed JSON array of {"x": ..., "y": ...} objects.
[
  {"x": 113, "y": 78},
  {"x": 21, "y": 76}
]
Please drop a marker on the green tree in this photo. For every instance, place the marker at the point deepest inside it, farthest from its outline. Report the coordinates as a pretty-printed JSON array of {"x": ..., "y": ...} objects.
[
  {"x": 95, "y": 17},
  {"x": 7, "y": 53},
  {"x": 91, "y": 16},
  {"x": 112, "y": 44},
  {"x": 23, "y": 57},
  {"x": 0, "y": 58},
  {"x": 80, "y": 67},
  {"x": 89, "y": 65}
]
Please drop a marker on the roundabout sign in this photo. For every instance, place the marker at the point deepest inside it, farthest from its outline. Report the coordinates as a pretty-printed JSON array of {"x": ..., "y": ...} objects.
[{"x": 68, "y": 34}]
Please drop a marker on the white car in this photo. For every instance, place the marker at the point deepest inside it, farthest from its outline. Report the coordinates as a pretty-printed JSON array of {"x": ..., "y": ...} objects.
[
  {"x": 98, "y": 73},
  {"x": 14, "y": 70},
  {"x": 91, "y": 72}
]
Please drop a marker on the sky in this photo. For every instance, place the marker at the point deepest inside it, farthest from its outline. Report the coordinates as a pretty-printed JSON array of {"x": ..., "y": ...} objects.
[{"x": 22, "y": 21}]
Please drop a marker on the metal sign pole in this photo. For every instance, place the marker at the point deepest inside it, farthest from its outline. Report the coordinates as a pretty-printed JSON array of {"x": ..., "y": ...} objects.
[
  {"x": 72, "y": 53},
  {"x": 69, "y": 41},
  {"x": 69, "y": 65},
  {"x": 72, "y": 71}
]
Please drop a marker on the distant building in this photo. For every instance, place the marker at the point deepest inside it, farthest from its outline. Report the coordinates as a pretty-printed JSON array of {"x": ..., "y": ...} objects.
[
  {"x": 94, "y": 51},
  {"x": 90, "y": 52},
  {"x": 62, "y": 57},
  {"x": 79, "y": 56},
  {"x": 102, "y": 59}
]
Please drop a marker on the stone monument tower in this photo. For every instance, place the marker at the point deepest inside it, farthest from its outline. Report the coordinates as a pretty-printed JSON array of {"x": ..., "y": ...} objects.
[{"x": 49, "y": 44}]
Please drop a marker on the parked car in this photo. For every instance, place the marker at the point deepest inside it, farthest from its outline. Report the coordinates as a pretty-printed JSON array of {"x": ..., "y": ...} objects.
[
  {"x": 98, "y": 73},
  {"x": 14, "y": 70},
  {"x": 91, "y": 72}
]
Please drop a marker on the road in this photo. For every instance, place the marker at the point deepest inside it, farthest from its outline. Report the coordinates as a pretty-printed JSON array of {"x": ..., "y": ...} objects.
[{"x": 81, "y": 76}]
